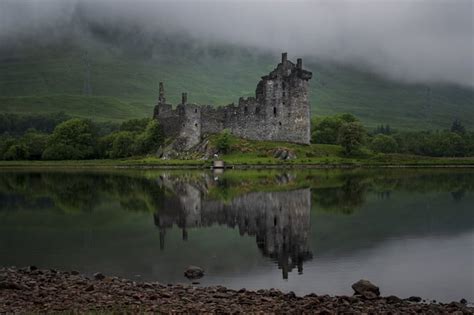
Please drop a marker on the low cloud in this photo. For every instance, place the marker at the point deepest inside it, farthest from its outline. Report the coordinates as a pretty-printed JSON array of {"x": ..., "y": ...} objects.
[{"x": 414, "y": 41}]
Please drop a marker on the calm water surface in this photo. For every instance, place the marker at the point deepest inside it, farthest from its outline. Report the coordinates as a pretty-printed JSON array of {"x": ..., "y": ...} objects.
[{"x": 409, "y": 231}]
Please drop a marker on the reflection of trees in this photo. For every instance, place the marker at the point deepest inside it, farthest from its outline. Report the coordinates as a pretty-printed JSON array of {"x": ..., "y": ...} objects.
[
  {"x": 352, "y": 188},
  {"x": 345, "y": 198},
  {"x": 279, "y": 221},
  {"x": 78, "y": 192}
]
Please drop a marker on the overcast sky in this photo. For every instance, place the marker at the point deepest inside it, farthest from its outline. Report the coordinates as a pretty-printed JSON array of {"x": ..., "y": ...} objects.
[{"x": 410, "y": 40}]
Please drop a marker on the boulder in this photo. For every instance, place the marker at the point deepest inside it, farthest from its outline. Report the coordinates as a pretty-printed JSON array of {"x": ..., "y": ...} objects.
[
  {"x": 416, "y": 299},
  {"x": 366, "y": 289},
  {"x": 193, "y": 272},
  {"x": 99, "y": 276}
]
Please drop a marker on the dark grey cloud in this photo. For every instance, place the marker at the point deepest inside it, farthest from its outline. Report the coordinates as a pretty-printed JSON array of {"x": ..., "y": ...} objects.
[{"x": 414, "y": 41}]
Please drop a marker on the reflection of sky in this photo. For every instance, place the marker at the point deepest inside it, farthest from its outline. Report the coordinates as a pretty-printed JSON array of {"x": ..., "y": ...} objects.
[{"x": 431, "y": 267}]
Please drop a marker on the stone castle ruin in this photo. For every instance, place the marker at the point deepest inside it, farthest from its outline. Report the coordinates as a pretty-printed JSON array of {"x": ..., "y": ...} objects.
[{"x": 280, "y": 111}]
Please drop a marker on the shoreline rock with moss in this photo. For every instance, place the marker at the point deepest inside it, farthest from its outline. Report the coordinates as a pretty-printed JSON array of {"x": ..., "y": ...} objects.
[{"x": 25, "y": 290}]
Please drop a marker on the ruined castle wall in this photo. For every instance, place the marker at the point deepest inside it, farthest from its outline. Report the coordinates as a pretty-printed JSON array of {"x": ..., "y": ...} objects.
[
  {"x": 280, "y": 111},
  {"x": 171, "y": 119},
  {"x": 213, "y": 120}
]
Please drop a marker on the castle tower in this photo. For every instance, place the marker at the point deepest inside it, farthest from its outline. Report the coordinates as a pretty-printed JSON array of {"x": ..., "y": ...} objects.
[
  {"x": 184, "y": 98},
  {"x": 161, "y": 97}
]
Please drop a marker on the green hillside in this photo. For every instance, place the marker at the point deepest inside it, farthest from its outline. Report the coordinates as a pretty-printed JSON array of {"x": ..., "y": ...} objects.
[{"x": 123, "y": 84}]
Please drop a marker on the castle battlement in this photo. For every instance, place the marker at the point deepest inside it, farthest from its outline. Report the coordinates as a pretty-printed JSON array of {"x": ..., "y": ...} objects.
[{"x": 280, "y": 111}]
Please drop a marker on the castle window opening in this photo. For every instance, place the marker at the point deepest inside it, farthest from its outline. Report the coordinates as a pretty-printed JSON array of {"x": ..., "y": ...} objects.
[
  {"x": 274, "y": 111},
  {"x": 195, "y": 110},
  {"x": 246, "y": 109},
  {"x": 257, "y": 110},
  {"x": 279, "y": 123},
  {"x": 195, "y": 125},
  {"x": 183, "y": 125},
  {"x": 283, "y": 85},
  {"x": 284, "y": 94}
]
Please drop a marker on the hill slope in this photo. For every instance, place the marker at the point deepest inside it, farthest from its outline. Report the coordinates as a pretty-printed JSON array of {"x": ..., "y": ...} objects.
[{"x": 123, "y": 83}]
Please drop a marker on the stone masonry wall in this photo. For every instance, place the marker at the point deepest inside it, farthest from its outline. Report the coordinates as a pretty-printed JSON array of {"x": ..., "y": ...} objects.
[{"x": 280, "y": 111}]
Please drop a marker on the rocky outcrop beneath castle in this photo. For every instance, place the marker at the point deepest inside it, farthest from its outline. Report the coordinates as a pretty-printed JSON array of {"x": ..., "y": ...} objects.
[
  {"x": 280, "y": 111},
  {"x": 31, "y": 290}
]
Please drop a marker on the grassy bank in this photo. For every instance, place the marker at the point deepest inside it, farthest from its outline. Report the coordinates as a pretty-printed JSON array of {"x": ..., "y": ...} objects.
[
  {"x": 243, "y": 153},
  {"x": 253, "y": 161}
]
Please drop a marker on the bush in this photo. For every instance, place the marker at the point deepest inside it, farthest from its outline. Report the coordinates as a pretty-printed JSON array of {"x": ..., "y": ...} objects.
[
  {"x": 35, "y": 143},
  {"x": 326, "y": 130},
  {"x": 383, "y": 143},
  {"x": 16, "y": 152},
  {"x": 122, "y": 145},
  {"x": 151, "y": 139},
  {"x": 223, "y": 143},
  {"x": 60, "y": 151},
  {"x": 72, "y": 139},
  {"x": 351, "y": 137}
]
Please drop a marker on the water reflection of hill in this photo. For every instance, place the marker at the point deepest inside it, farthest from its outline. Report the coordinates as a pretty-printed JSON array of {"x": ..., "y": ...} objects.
[{"x": 279, "y": 221}]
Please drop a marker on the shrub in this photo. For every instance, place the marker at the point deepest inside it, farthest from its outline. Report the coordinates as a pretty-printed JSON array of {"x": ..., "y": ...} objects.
[
  {"x": 223, "y": 143},
  {"x": 72, "y": 139},
  {"x": 351, "y": 137},
  {"x": 16, "y": 152},
  {"x": 383, "y": 143}
]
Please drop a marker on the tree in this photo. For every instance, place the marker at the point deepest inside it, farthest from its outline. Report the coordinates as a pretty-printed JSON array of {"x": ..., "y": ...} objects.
[
  {"x": 457, "y": 127},
  {"x": 122, "y": 145},
  {"x": 326, "y": 130},
  {"x": 73, "y": 139},
  {"x": 35, "y": 143},
  {"x": 6, "y": 142},
  {"x": 383, "y": 143},
  {"x": 16, "y": 152},
  {"x": 223, "y": 143},
  {"x": 135, "y": 125},
  {"x": 351, "y": 137},
  {"x": 151, "y": 139}
]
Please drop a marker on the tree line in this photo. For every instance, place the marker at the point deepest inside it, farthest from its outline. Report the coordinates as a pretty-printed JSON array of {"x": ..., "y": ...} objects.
[
  {"x": 61, "y": 137},
  {"x": 347, "y": 131},
  {"x": 77, "y": 139}
]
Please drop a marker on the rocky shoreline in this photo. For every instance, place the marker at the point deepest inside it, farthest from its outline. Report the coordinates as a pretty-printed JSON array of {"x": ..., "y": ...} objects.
[{"x": 26, "y": 290}]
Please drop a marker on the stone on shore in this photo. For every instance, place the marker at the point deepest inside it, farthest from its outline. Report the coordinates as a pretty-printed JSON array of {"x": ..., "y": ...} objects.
[
  {"x": 367, "y": 289},
  {"x": 99, "y": 276},
  {"x": 194, "y": 272}
]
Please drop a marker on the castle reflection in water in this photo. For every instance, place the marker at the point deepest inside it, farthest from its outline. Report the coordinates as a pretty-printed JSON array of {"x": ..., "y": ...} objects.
[{"x": 279, "y": 220}]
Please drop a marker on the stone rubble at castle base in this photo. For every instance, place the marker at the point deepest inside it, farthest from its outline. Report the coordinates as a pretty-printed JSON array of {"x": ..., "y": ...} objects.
[
  {"x": 30, "y": 290},
  {"x": 280, "y": 111}
]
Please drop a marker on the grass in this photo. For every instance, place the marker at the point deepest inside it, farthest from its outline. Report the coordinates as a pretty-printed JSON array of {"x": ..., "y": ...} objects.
[
  {"x": 260, "y": 154},
  {"x": 124, "y": 84}
]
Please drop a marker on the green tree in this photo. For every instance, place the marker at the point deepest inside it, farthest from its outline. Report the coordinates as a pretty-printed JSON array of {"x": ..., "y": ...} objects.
[
  {"x": 383, "y": 143},
  {"x": 35, "y": 143},
  {"x": 135, "y": 125},
  {"x": 122, "y": 145},
  {"x": 351, "y": 137},
  {"x": 6, "y": 142},
  {"x": 326, "y": 130},
  {"x": 151, "y": 139},
  {"x": 73, "y": 139},
  {"x": 16, "y": 152}
]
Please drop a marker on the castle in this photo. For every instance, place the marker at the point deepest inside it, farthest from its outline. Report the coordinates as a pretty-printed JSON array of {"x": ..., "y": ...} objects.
[{"x": 280, "y": 111}]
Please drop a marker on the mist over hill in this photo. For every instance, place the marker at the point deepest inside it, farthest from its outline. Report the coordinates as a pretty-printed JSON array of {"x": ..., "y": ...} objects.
[{"x": 114, "y": 62}]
